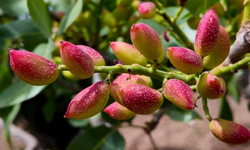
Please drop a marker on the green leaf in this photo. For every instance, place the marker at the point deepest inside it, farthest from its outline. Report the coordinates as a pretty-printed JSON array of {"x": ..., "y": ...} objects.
[
  {"x": 225, "y": 110},
  {"x": 5, "y": 78},
  {"x": 25, "y": 29},
  {"x": 8, "y": 114},
  {"x": 70, "y": 17},
  {"x": 14, "y": 8},
  {"x": 40, "y": 14},
  {"x": 233, "y": 88},
  {"x": 17, "y": 93},
  {"x": 78, "y": 123},
  {"x": 45, "y": 49},
  {"x": 179, "y": 114},
  {"x": 199, "y": 6},
  {"x": 98, "y": 138},
  {"x": 49, "y": 109}
]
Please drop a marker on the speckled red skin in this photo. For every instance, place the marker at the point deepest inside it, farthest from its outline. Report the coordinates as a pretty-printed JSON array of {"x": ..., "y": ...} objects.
[
  {"x": 78, "y": 62},
  {"x": 96, "y": 57},
  {"x": 147, "y": 10},
  {"x": 210, "y": 86},
  {"x": 140, "y": 99},
  {"x": 121, "y": 81},
  {"x": 185, "y": 60},
  {"x": 229, "y": 132},
  {"x": 118, "y": 112},
  {"x": 146, "y": 40},
  {"x": 127, "y": 53},
  {"x": 179, "y": 93},
  {"x": 207, "y": 33},
  {"x": 220, "y": 51},
  {"x": 89, "y": 101},
  {"x": 32, "y": 68}
]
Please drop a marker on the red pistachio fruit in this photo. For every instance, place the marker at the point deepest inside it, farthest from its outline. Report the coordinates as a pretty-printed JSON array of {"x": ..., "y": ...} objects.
[
  {"x": 96, "y": 57},
  {"x": 207, "y": 33},
  {"x": 179, "y": 93},
  {"x": 146, "y": 40},
  {"x": 89, "y": 101},
  {"x": 127, "y": 53},
  {"x": 147, "y": 10},
  {"x": 32, "y": 68},
  {"x": 185, "y": 60},
  {"x": 123, "y": 80},
  {"x": 210, "y": 86},
  {"x": 229, "y": 132},
  {"x": 140, "y": 98},
  {"x": 78, "y": 62},
  {"x": 119, "y": 112},
  {"x": 220, "y": 51}
]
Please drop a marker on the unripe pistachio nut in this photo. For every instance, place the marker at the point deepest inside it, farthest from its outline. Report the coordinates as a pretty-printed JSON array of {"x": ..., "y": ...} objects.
[
  {"x": 220, "y": 51},
  {"x": 140, "y": 98},
  {"x": 127, "y": 53},
  {"x": 210, "y": 86},
  {"x": 96, "y": 57},
  {"x": 185, "y": 60},
  {"x": 229, "y": 132},
  {"x": 179, "y": 93},
  {"x": 147, "y": 10},
  {"x": 78, "y": 62},
  {"x": 89, "y": 101},
  {"x": 123, "y": 80},
  {"x": 207, "y": 33},
  {"x": 146, "y": 41},
  {"x": 32, "y": 68},
  {"x": 118, "y": 112}
]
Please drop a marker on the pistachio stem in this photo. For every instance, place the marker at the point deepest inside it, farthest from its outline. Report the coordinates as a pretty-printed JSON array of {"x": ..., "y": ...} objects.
[
  {"x": 177, "y": 14},
  {"x": 176, "y": 29},
  {"x": 205, "y": 108}
]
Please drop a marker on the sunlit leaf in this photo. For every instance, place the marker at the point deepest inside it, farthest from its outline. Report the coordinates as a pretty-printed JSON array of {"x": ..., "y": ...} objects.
[{"x": 70, "y": 17}]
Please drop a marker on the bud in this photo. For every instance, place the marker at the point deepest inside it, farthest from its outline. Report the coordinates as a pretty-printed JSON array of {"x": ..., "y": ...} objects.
[
  {"x": 229, "y": 132},
  {"x": 220, "y": 51},
  {"x": 140, "y": 98},
  {"x": 146, "y": 40},
  {"x": 185, "y": 60},
  {"x": 127, "y": 53},
  {"x": 123, "y": 80},
  {"x": 32, "y": 68},
  {"x": 179, "y": 93},
  {"x": 78, "y": 62},
  {"x": 210, "y": 86},
  {"x": 119, "y": 112},
  {"x": 207, "y": 34},
  {"x": 89, "y": 101},
  {"x": 147, "y": 10},
  {"x": 96, "y": 57}
]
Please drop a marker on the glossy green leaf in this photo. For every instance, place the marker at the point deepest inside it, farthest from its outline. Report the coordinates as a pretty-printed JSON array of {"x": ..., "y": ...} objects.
[
  {"x": 8, "y": 114},
  {"x": 5, "y": 77},
  {"x": 225, "y": 110},
  {"x": 78, "y": 123},
  {"x": 14, "y": 8},
  {"x": 40, "y": 14},
  {"x": 100, "y": 138},
  {"x": 17, "y": 93},
  {"x": 233, "y": 88},
  {"x": 25, "y": 29},
  {"x": 70, "y": 17},
  {"x": 45, "y": 49},
  {"x": 179, "y": 114}
]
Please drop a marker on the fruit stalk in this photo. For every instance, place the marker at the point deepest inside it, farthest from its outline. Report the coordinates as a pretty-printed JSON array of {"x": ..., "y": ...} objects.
[{"x": 205, "y": 108}]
